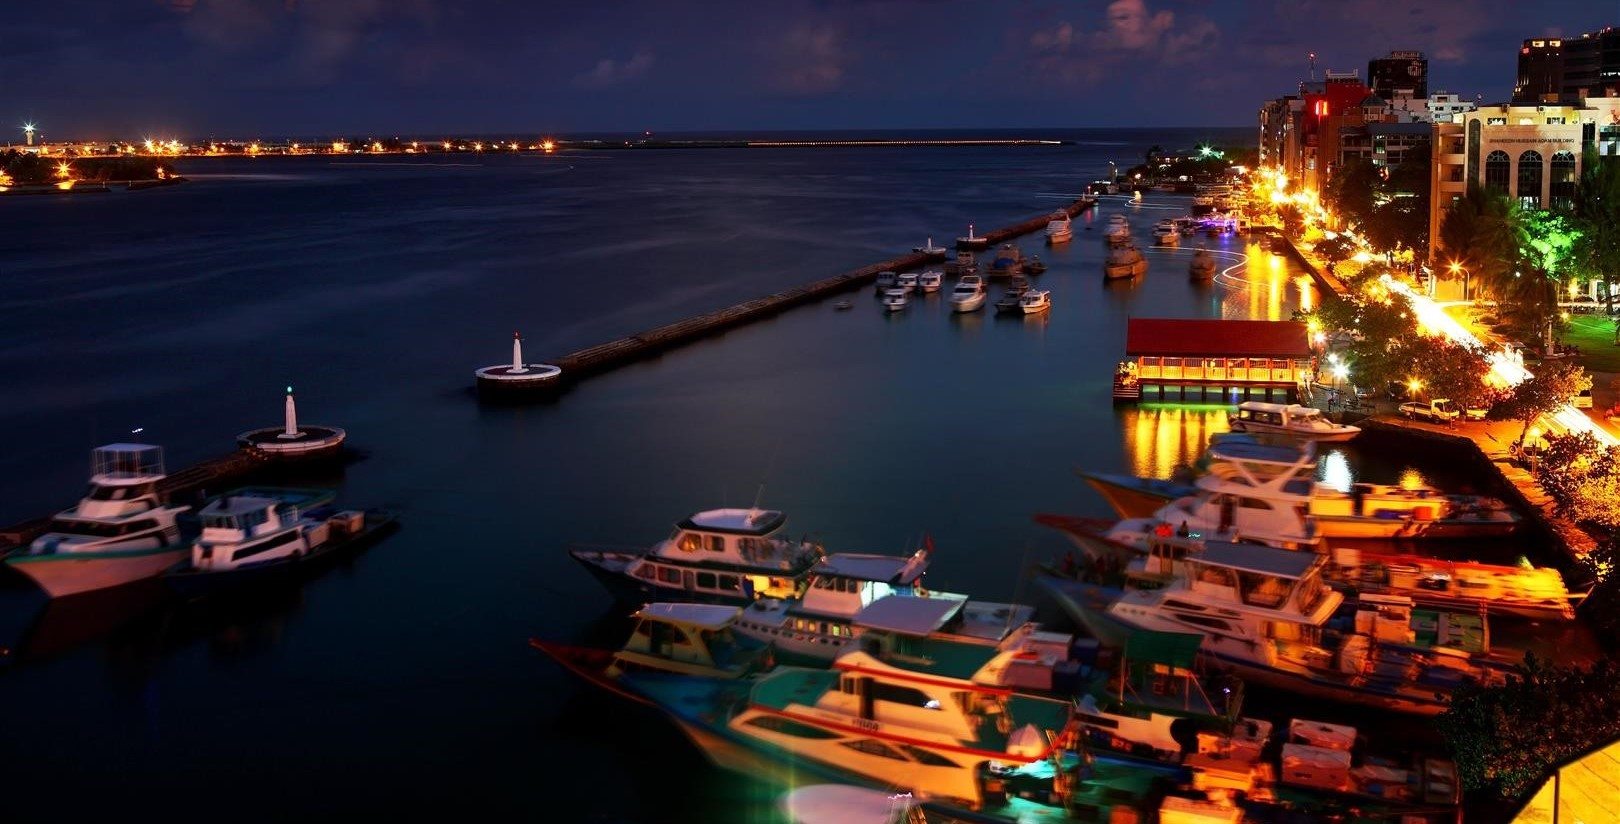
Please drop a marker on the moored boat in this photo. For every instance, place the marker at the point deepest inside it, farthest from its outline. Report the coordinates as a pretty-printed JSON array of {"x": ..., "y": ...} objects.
[
  {"x": 885, "y": 281},
  {"x": 907, "y": 281},
  {"x": 930, "y": 282},
  {"x": 121, "y": 531},
  {"x": 1202, "y": 266},
  {"x": 1264, "y": 613},
  {"x": 258, "y": 536},
  {"x": 1291, "y": 420},
  {"x": 968, "y": 295},
  {"x": 1124, "y": 262},
  {"x": 720, "y": 555},
  {"x": 1165, "y": 234},
  {"x": 895, "y": 299},
  {"x": 1005, "y": 262},
  {"x": 676, "y": 638},
  {"x": 1060, "y": 228},
  {"x": 1035, "y": 301}
]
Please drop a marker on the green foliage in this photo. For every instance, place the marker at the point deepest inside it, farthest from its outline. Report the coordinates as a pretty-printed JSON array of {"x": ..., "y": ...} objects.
[
  {"x": 1552, "y": 385},
  {"x": 1597, "y": 214},
  {"x": 1352, "y": 191},
  {"x": 1335, "y": 250},
  {"x": 1505, "y": 738},
  {"x": 1292, "y": 219},
  {"x": 1383, "y": 346},
  {"x": 1583, "y": 478},
  {"x": 26, "y": 168},
  {"x": 1601, "y": 608},
  {"x": 1484, "y": 233}
]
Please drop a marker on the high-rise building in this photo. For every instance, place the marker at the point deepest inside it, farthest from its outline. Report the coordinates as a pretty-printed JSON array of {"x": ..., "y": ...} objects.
[
  {"x": 1592, "y": 65},
  {"x": 1401, "y": 74},
  {"x": 1541, "y": 71}
]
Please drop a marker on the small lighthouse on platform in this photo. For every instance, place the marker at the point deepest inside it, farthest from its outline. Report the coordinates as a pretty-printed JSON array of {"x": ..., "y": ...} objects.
[
  {"x": 291, "y": 441},
  {"x": 518, "y": 379}
]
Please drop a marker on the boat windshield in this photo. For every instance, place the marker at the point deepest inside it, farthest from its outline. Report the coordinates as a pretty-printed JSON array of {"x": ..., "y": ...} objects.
[
  {"x": 117, "y": 493},
  {"x": 97, "y": 529}
]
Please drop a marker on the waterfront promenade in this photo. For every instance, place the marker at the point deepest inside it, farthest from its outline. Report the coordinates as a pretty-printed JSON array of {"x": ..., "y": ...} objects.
[{"x": 1488, "y": 440}]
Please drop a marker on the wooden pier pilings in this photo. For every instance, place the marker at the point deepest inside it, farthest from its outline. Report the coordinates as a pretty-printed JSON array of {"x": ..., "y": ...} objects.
[{"x": 605, "y": 356}]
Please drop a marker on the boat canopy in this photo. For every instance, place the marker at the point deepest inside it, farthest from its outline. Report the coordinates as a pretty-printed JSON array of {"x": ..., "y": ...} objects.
[
  {"x": 736, "y": 521},
  {"x": 1176, "y": 649},
  {"x": 126, "y": 463},
  {"x": 1235, "y": 450},
  {"x": 908, "y": 614},
  {"x": 1265, "y": 560},
  {"x": 885, "y": 568},
  {"x": 702, "y": 616}
]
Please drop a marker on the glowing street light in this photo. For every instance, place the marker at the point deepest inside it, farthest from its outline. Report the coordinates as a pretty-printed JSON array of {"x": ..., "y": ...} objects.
[{"x": 28, "y": 131}]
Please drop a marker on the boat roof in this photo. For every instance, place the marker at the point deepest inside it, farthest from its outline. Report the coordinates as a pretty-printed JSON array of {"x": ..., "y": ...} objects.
[
  {"x": 1266, "y": 560},
  {"x": 736, "y": 521},
  {"x": 1177, "y": 337},
  {"x": 1250, "y": 451},
  {"x": 1290, "y": 408},
  {"x": 1178, "y": 649},
  {"x": 908, "y": 614},
  {"x": 705, "y": 616},
  {"x": 238, "y": 504},
  {"x": 886, "y": 568}
]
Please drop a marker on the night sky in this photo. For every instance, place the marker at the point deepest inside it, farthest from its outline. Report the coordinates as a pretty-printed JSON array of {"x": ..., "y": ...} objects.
[{"x": 99, "y": 69}]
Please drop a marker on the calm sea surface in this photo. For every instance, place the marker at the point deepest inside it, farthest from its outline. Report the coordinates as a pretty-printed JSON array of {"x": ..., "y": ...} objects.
[{"x": 400, "y": 684}]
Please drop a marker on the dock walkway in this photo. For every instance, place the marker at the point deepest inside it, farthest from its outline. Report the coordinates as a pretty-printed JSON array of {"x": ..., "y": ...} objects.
[
  {"x": 1488, "y": 440},
  {"x": 614, "y": 353}
]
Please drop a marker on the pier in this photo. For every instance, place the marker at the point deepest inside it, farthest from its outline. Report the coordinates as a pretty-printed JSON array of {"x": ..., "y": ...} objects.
[{"x": 605, "y": 356}]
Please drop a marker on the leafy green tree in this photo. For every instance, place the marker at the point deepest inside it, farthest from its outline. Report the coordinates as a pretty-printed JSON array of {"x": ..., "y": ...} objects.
[
  {"x": 1552, "y": 385},
  {"x": 1335, "y": 250},
  {"x": 1583, "y": 478},
  {"x": 1597, "y": 215},
  {"x": 1505, "y": 738},
  {"x": 1450, "y": 370},
  {"x": 1483, "y": 234},
  {"x": 1352, "y": 191}
]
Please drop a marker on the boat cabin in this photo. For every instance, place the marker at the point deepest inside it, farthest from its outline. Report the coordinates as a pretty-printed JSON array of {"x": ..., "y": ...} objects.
[
  {"x": 846, "y": 583},
  {"x": 123, "y": 481},
  {"x": 730, "y": 553},
  {"x": 1250, "y": 577},
  {"x": 694, "y": 635}
]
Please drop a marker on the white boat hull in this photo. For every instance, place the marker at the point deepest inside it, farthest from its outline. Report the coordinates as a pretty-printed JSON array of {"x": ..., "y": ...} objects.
[
  {"x": 71, "y": 574},
  {"x": 1344, "y": 434},
  {"x": 972, "y": 304}
]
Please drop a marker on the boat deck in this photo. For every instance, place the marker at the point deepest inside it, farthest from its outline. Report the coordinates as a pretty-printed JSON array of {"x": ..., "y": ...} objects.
[{"x": 792, "y": 685}]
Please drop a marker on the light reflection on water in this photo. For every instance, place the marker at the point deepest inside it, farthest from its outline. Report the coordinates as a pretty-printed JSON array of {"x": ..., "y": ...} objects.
[{"x": 1160, "y": 437}]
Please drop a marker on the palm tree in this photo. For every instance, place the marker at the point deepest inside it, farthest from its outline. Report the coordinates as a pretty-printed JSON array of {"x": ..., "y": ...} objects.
[
  {"x": 1483, "y": 233},
  {"x": 1597, "y": 214}
]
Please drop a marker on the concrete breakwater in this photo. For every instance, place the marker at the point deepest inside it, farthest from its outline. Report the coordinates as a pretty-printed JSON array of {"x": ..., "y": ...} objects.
[{"x": 605, "y": 356}]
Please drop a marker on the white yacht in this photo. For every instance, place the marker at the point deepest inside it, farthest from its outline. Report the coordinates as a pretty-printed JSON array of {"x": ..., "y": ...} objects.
[
  {"x": 868, "y": 722},
  {"x": 965, "y": 264},
  {"x": 969, "y": 294},
  {"x": 1165, "y": 234},
  {"x": 907, "y": 281},
  {"x": 720, "y": 555},
  {"x": 1264, "y": 612},
  {"x": 930, "y": 282},
  {"x": 1291, "y": 420},
  {"x": 849, "y": 590},
  {"x": 121, "y": 530},
  {"x": 1118, "y": 232},
  {"x": 258, "y": 534},
  {"x": 1035, "y": 301},
  {"x": 1270, "y": 493},
  {"x": 1060, "y": 228},
  {"x": 894, "y": 300},
  {"x": 1124, "y": 262}
]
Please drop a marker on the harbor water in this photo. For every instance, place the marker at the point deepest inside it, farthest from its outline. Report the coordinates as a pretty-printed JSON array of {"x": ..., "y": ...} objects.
[{"x": 401, "y": 680}]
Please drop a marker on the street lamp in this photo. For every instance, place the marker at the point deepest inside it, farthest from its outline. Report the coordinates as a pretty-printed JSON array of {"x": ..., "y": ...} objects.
[{"x": 1413, "y": 386}]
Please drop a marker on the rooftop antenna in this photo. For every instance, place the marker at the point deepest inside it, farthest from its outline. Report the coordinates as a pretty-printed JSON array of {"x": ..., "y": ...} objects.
[
  {"x": 1312, "y": 58},
  {"x": 758, "y": 494}
]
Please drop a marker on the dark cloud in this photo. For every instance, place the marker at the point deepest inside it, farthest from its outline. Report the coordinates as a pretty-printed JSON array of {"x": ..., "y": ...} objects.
[{"x": 270, "y": 67}]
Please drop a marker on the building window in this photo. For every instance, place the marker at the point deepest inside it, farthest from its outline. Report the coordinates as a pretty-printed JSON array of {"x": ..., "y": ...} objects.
[
  {"x": 1496, "y": 121},
  {"x": 1555, "y": 121},
  {"x": 1530, "y": 176},
  {"x": 1563, "y": 180},
  {"x": 1497, "y": 166}
]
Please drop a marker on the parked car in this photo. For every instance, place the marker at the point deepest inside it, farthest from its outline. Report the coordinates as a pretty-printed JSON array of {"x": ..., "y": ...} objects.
[
  {"x": 1582, "y": 399},
  {"x": 1437, "y": 411}
]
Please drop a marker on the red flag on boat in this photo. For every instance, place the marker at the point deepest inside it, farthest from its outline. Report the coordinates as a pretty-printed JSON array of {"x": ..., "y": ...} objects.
[{"x": 928, "y": 544}]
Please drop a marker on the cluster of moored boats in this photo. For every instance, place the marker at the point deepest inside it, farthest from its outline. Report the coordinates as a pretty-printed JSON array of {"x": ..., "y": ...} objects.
[
  {"x": 971, "y": 290},
  {"x": 777, "y": 658},
  {"x": 125, "y": 530},
  {"x": 1126, "y": 261}
]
